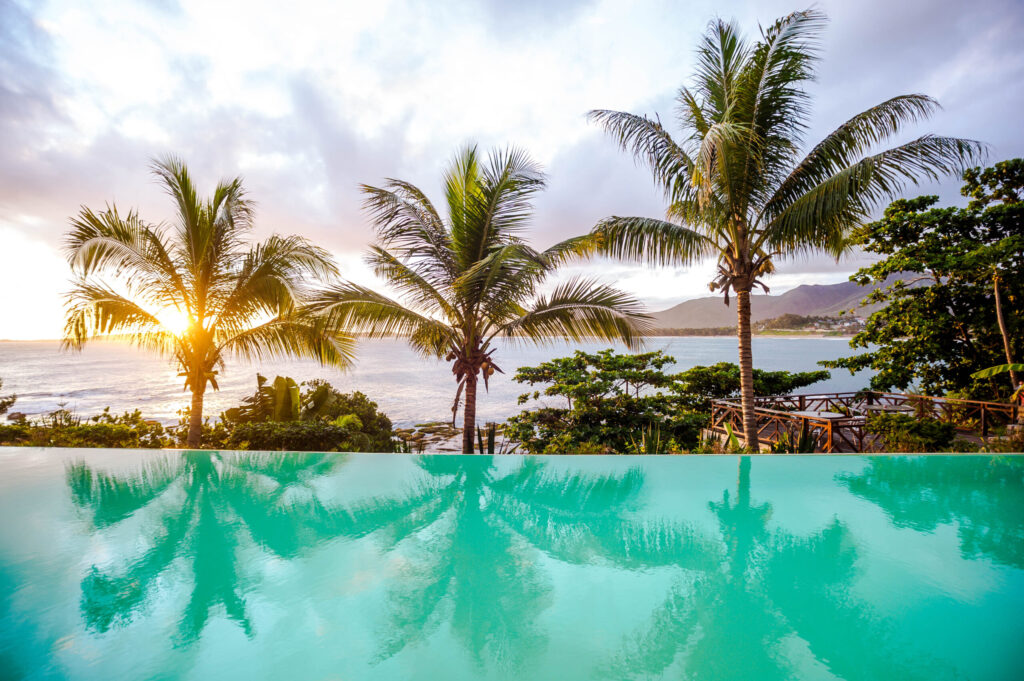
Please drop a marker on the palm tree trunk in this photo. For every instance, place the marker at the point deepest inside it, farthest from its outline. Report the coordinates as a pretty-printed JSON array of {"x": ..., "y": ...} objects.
[
  {"x": 1014, "y": 380},
  {"x": 469, "y": 422},
  {"x": 195, "y": 420},
  {"x": 746, "y": 370}
]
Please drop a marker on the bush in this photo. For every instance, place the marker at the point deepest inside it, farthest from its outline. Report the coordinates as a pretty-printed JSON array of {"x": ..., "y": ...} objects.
[
  {"x": 63, "y": 429},
  {"x": 281, "y": 402},
  {"x": 308, "y": 436},
  {"x": 903, "y": 433}
]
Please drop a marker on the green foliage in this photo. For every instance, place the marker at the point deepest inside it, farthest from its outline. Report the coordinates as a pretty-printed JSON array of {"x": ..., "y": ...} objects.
[
  {"x": 308, "y": 436},
  {"x": 62, "y": 428},
  {"x": 6, "y": 402},
  {"x": 742, "y": 187},
  {"x": 696, "y": 387},
  {"x": 904, "y": 433},
  {"x": 612, "y": 400},
  {"x": 466, "y": 276},
  {"x": 787, "y": 444},
  {"x": 627, "y": 404},
  {"x": 491, "y": 435},
  {"x": 227, "y": 297},
  {"x": 277, "y": 401},
  {"x": 316, "y": 401},
  {"x": 334, "y": 422},
  {"x": 939, "y": 326}
]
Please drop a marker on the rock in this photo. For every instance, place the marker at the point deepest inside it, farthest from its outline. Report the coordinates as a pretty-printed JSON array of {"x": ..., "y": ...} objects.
[{"x": 17, "y": 417}]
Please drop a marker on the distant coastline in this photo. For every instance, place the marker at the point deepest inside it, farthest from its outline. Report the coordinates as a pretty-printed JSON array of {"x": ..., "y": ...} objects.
[{"x": 718, "y": 333}]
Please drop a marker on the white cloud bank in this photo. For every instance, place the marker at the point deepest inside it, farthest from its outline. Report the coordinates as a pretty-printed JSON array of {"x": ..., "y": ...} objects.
[{"x": 308, "y": 99}]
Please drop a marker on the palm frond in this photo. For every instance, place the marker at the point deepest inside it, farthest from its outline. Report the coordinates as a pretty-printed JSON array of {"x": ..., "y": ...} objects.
[
  {"x": 821, "y": 218},
  {"x": 94, "y": 309},
  {"x": 408, "y": 224},
  {"x": 582, "y": 309},
  {"x": 410, "y": 282},
  {"x": 648, "y": 240},
  {"x": 848, "y": 143},
  {"x": 271, "y": 280},
  {"x": 292, "y": 335},
  {"x": 107, "y": 242},
  {"x": 362, "y": 311},
  {"x": 491, "y": 202},
  {"x": 649, "y": 143}
]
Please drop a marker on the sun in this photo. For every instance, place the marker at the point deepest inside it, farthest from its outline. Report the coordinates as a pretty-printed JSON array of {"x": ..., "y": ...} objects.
[{"x": 174, "y": 320}]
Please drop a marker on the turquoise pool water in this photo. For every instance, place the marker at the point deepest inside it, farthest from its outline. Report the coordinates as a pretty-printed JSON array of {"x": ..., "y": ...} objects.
[{"x": 131, "y": 565}]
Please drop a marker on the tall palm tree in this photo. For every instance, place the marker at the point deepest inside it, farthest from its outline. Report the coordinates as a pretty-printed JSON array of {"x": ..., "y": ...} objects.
[
  {"x": 768, "y": 589},
  {"x": 223, "y": 502},
  {"x": 469, "y": 279},
  {"x": 737, "y": 186},
  {"x": 195, "y": 290}
]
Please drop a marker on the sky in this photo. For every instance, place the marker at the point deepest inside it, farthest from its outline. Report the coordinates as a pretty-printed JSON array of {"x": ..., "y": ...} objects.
[{"x": 306, "y": 100}]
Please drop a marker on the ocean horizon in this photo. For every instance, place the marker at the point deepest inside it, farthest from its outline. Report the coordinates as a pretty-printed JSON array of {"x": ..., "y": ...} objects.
[{"x": 407, "y": 387}]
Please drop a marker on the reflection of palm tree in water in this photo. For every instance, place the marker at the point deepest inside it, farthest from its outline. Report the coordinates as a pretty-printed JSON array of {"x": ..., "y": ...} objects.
[
  {"x": 224, "y": 498},
  {"x": 981, "y": 494},
  {"x": 473, "y": 559},
  {"x": 470, "y": 536},
  {"x": 775, "y": 602}
]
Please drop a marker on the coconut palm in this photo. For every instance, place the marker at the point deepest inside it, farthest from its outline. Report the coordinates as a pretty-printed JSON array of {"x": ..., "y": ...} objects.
[
  {"x": 221, "y": 502},
  {"x": 195, "y": 290},
  {"x": 469, "y": 279},
  {"x": 737, "y": 186},
  {"x": 471, "y": 537},
  {"x": 769, "y": 589}
]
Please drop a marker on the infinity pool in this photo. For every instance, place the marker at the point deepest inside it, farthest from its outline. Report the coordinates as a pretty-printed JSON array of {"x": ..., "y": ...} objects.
[{"x": 135, "y": 565}]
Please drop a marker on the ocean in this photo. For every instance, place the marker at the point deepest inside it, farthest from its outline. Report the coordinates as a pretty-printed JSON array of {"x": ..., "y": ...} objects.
[{"x": 407, "y": 387}]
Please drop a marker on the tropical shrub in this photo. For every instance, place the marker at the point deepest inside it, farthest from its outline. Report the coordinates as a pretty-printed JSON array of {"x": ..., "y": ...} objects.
[
  {"x": 343, "y": 435},
  {"x": 61, "y": 428},
  {"x": 6, "y": 402},
  {"x": 904, "y": 433},
  {"x": 317, "y": 401}
]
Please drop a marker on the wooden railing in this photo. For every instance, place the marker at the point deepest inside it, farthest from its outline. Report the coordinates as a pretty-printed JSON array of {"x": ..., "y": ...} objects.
[
  {"x": 776, "y": 419},
  {"x": 774, "y": 425}
]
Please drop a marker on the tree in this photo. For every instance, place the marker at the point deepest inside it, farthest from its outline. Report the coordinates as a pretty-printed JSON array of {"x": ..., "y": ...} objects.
[
  {"x": 613, "y": 403},
  {"x": 701, "y": 384},
  {"x": 470, "y": 278},
  {"x": 944, "y": 318},
  {"x": 196, "y": 291},
  {"x": 737, "y": 187},
  {"x": 228, "y": 501},
  {"x": 769, "y": 589}
]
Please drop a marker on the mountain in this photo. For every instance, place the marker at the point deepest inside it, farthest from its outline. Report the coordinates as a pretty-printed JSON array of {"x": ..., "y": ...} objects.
[{"x": 806, "y": 300}]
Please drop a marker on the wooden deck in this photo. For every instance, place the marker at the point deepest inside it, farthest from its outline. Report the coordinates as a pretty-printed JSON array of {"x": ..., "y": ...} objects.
[{"x": 836, "y": 422}]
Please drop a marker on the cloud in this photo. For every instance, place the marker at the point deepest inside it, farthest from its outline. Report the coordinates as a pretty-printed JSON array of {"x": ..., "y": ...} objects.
[{"x": 309, "y": 99}]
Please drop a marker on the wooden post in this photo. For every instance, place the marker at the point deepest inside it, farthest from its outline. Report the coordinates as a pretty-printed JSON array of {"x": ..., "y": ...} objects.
[
  {"x": 803, "y": 402},
  {"x": 984, "y": 423}
]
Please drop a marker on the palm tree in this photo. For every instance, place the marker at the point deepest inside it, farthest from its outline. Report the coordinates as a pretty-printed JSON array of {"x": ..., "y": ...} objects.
[
  {"x": 195, "y": 290},
  {"x": 737, "y": 187},
  {"x": 769, "y": 588},
  {"x": 470, "y": 278},
  {"x": 228, "y": 501},
  {"x": 472, "y": 533}
]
